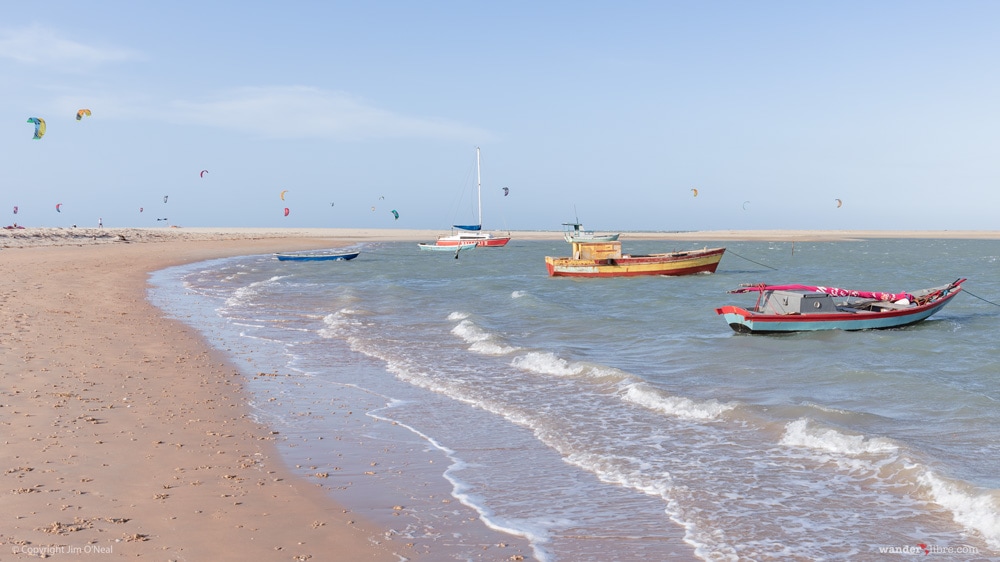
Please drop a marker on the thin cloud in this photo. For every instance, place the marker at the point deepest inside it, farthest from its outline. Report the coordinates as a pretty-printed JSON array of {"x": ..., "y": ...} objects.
[
  {"x": 304, "y": 112},
  {"x": 44, "y": 46}
]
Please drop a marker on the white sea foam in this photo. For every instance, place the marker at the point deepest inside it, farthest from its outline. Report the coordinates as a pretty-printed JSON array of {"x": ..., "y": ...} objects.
[
  {"x": 543, "y": 363},
  {"x": 799, "y": 433},
  {"x": 975, "y": 510},
  {"x": 458, "y": 316},
  {"x": 481, "y": 341},
  {"x": 518, "y": 294},
  {"x": 658, "y": 401},
  {"x": 491, "y": 348},
  {"x": 337, "y": 322},
  {"x": 469, "y": 332},
  {"x": 247, "y": 293}
]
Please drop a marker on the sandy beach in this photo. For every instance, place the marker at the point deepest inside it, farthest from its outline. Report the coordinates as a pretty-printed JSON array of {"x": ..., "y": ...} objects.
[{"x": 127, "y": 435}]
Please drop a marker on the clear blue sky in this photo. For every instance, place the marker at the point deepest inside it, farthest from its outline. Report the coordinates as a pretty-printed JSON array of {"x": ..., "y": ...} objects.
[{"x": 771, "y": 110}]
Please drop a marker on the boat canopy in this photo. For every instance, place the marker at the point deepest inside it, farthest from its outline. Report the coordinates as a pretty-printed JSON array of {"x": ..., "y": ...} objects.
[{"x": 468, "y": 226}]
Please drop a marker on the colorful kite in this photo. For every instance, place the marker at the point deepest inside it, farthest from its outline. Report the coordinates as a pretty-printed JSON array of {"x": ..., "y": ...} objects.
[{"x": 39, "y": 126}]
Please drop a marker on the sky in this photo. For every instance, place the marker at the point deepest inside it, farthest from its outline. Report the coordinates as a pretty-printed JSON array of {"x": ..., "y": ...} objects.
[{"x": 612, "y": 113}]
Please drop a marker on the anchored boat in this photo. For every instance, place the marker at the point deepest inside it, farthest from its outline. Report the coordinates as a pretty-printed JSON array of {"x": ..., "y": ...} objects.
[
  {"x": 574, "y": 232},
  {"x": 472, "y": 233},
  {"x": 797, "y": 308},
  {"x": 605, "y": 259},
  {"x": 316, "y": 256}
]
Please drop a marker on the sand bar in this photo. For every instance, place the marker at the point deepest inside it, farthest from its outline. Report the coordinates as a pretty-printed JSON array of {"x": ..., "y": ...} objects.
[{"x": 126, "y": 436}]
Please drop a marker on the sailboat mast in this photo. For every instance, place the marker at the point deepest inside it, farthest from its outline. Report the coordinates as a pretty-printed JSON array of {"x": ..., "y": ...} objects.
[{"x": 479, "y": 189}]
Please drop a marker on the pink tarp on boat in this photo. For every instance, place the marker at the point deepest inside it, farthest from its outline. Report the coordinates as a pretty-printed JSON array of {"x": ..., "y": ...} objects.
[{"x": 833, "y": 291}]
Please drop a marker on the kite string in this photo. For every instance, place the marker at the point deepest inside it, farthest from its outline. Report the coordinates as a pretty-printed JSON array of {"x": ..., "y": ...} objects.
[{"x": 750, "y": 260}]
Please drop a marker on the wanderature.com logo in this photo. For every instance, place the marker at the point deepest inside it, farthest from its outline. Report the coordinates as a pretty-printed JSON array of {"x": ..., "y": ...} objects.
[{"x": 923, "y": 549}]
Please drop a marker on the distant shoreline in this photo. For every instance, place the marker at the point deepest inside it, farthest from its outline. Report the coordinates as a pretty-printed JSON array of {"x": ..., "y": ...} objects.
[{"x": 53, "y": 236}]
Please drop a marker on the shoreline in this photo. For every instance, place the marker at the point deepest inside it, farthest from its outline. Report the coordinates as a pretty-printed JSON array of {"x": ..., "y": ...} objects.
[
  {"x": 51, "y": 236},
  {"x": 127, "y": 434}
]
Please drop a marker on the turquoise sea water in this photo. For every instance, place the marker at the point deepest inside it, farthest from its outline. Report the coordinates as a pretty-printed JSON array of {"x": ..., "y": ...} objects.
[{"x": 622, "y": 419}]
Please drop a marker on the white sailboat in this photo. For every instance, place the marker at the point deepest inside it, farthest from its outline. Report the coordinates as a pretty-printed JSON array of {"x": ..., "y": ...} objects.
[{"x": 472, "y": 233}]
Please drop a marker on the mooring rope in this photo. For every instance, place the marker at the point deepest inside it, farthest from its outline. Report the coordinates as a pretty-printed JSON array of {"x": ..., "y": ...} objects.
[
  {"x": 728, "y": 251},
  {"x": 964, "y": 290}
]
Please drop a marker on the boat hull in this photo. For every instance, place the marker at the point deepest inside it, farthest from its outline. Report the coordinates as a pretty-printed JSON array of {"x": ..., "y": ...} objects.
[
  {"x": 484, "y": 242},
  {"x": 570, "y": 237},
  {"x": 674, "y": 263},
  {"x": 316, "y": 257},
  {"x": 441, "y": 248},
  {"x": 747, "y": 322}
]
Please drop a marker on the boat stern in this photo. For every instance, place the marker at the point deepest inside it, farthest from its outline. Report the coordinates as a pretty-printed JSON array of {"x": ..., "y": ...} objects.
[{"x": 739, "y": 319}]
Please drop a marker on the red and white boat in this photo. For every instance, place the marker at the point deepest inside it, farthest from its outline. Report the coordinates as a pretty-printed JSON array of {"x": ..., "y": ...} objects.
[
  {"x": 473, "y": 233},
  {"x": 804, "y": 308}
]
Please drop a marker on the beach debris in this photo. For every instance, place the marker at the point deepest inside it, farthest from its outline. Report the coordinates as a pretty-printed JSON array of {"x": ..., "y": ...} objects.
[{"x": 58, "y": 528}]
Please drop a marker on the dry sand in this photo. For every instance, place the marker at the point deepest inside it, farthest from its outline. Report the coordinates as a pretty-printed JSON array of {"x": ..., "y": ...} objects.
[{"x": 126, "y": 435}]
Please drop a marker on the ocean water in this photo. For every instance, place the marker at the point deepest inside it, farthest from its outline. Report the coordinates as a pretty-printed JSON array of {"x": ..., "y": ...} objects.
[{"x": 622, "y": 419}]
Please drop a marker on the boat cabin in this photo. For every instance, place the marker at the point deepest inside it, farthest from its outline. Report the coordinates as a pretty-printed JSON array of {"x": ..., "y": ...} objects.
[
  {"x": 796, "y": 302},
  {"x": 597, "y": 250}
]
